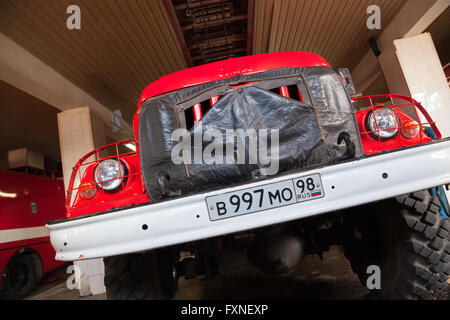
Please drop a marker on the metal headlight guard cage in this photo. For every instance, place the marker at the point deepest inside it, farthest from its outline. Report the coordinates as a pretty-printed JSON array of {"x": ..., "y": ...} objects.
[
  {"x": 405, "y": 101},
  {"x": 111, "y": 151}
]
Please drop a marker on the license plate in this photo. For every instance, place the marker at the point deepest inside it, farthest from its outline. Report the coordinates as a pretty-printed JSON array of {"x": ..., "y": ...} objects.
[{"x": 269, "y": 196}]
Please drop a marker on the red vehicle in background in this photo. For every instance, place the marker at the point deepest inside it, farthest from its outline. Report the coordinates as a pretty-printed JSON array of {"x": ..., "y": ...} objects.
[{"x": 26, "y": 202}]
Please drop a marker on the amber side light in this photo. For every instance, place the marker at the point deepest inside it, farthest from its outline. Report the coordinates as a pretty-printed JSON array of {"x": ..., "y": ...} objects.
[
  {"x": 87, "y": 190},
  {"x": 410, "y": 129}
]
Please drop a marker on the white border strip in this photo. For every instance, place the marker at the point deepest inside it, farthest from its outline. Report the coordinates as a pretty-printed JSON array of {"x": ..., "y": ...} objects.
[{"x": 19, "y": 234}]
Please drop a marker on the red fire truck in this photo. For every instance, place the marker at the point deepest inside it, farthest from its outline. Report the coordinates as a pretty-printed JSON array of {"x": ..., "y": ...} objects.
[
  {"x": 361, "y": 173},
  {"x": 27, "y": 201}
]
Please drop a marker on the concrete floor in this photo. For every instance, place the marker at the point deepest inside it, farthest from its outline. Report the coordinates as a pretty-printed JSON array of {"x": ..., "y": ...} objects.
[{"x": 331, "y": 278}]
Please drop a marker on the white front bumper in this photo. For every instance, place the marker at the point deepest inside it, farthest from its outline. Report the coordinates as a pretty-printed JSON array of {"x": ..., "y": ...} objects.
[{"x": 186, "y": 219}]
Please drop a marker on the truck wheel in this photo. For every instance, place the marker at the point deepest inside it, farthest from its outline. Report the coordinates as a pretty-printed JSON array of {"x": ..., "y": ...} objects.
[
  {"x": 137, "y": 277},
  {"x": 20, "y": 277},
  {"x": 407, "y": 238}
]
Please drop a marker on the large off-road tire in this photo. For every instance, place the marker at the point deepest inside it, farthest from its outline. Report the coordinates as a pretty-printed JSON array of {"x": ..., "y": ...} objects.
[
  {"x": 20, "y": 277},
  {"x": 407, "y": 238},
  {"x": 138, "y": 277}
]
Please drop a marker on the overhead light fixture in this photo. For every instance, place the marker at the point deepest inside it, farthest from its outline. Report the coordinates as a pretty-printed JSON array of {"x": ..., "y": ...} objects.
[{"x": 8, "y": 195}]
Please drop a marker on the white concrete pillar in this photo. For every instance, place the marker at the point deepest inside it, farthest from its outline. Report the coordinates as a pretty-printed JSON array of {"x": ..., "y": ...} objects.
[
  {"x": 411, "y": 66},
  {"x": 81, "y": 131}
]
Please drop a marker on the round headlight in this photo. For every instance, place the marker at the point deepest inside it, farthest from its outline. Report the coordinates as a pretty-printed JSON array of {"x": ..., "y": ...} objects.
[
  {"x": 387, "y": 121},
  {"x": 108, "y": 174}
]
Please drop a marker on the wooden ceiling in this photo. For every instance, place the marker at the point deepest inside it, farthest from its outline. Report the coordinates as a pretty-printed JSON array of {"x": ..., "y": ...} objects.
[
  {"x": 334, "y": 29},
  {"x": 124, "y": 45},
  {"x": 121, "y": 47},
  {"x": 26, "y": 122}
]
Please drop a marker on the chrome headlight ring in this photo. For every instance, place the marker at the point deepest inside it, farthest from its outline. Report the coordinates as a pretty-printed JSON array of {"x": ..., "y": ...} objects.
[
  {"x": 109, "y": 174},
  {"x": 388, "y": 123}
]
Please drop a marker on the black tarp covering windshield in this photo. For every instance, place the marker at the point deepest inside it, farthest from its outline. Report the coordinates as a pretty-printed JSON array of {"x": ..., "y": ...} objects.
[{"x": 306, "y": 133}]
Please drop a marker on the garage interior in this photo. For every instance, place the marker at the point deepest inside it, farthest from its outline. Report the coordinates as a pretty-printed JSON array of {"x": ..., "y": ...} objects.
[{"x": 48, "y": 71}]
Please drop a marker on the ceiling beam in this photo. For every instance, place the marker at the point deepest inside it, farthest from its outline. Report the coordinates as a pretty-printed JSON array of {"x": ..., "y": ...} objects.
[
  {"x": 173, "y": 19},
  {"x": 219, "y": 40},
  {"x": 196, "y": 4},
  {"x": 223, "y": 53},
  {"x": 213, "y": 35},
  {"x": 218, "y": 21},
  {"x": 23, "y": 70},
  {"x": 251, "y": 26}
]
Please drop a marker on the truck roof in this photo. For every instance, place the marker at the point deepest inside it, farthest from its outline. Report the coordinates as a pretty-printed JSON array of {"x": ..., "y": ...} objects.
[{"x": 229, "y": 68}]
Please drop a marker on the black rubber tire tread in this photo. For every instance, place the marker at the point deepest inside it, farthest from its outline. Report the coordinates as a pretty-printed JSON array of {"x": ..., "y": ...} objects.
[
  {"x": 423, "y": 254},
  {"x": 133, "y": 277},
  {"x": 427, "y": 250},
  {"x": 9, "y": 293}
]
